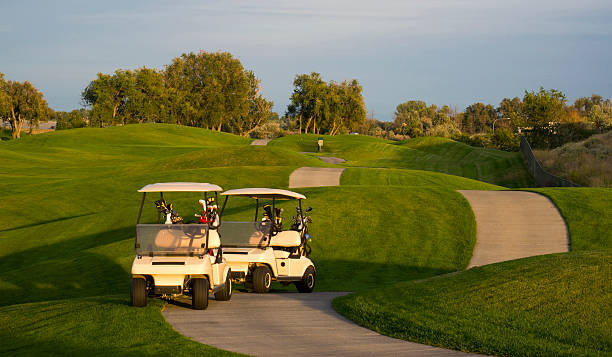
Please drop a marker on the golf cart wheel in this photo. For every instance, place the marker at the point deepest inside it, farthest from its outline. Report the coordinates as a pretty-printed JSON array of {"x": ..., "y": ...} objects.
[
  {"x": 262, "y": 279},
  {"x": 199, "y": 293},
  {"x": 226, "y": 293},
  {"x": 138, "y": 292},
  {"x": 307, "y": 284}
]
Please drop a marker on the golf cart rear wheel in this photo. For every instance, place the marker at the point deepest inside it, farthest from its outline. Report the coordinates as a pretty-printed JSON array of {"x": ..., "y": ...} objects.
[
  {"x": 262, "y": 279},
  {"x": 199, "y": 293},
  {"x": 226, "y": 293},
  {"x": 138, "y": 292},
  {"x": 307, "y": 284}
]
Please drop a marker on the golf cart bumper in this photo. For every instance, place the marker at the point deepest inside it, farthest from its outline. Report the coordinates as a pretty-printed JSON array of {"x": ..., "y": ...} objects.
[{"x": 170, "y": 272}]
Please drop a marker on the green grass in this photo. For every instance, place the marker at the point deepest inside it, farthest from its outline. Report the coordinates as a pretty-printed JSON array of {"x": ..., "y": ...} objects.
[
  {"x": 411, "y": 178},
  {"x": 587, "y": 214},
  {"x": 69, "y": 206},
  {"x": 424, "y": 153},
  {"x": 555, "y": 305},
  {"x": 97, "y": 326}
]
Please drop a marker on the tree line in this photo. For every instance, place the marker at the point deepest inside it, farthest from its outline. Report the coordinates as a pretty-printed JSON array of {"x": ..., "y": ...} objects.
[
  {"x": 214, "y": 91},
  {"x": 543, "y": 115},
  {"x": 207, "y": 90}
]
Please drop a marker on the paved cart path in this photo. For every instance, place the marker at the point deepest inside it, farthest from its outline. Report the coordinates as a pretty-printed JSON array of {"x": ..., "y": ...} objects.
[
  {"x": 262, "y": 142},
  {"x": 515, "y": 224},
  {"x": 287, "y": 324},
  {"x": 332, "y": 160},
  {"x": 315, "y": 177}
]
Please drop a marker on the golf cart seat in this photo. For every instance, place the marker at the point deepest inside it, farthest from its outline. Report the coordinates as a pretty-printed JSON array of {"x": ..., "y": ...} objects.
[{"x": 286, "y": 239}]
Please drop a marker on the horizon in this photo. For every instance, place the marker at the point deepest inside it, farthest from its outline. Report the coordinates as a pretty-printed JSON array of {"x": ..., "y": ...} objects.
[{"x": 441, "y": 52}]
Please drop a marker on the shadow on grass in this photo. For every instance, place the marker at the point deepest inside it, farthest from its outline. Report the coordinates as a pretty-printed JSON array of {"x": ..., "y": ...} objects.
[
  {"x": 47, "y": 222},
  {"x": 62, "y": 270}
]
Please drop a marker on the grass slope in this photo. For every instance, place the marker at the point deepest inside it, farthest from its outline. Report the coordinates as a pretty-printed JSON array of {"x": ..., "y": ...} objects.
[
  {"x": 587, "y": 214},
  {"x": 69, "y": 205},
  {"x": 424, "y": 153},
  {"x": 555, "y": 305}
]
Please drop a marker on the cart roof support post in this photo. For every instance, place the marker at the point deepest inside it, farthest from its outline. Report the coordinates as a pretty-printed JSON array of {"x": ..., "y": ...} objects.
[
  {"x": 141, "y": 205},
  {"x": 256, "y": 208}
]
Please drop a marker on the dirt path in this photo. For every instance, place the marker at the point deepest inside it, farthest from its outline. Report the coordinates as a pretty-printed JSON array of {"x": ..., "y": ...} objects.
[
  {"x": 315, "y": 177},
  {"x": 287, "y": 324},
  {"x": 262, "y": 142},
  {"x": 514, "y": 224}
]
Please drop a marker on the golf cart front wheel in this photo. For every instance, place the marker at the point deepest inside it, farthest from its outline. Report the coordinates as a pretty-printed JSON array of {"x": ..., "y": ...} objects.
[
  {"x": 138, "y": 292},
  {"x": 262, "y": 279},
  {"x": 307, "y": 284},
  {"x": 226, "y": 293},
  {"x": 199, "y": 293}
]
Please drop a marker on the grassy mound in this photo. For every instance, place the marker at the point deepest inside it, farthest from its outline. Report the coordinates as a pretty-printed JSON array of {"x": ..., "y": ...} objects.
[
  {"x": 587, "y": 163},
  {"x": 411, "y": 178},
  {"x": 425, "y": 153},
  {"x": 556, "y": 305}
]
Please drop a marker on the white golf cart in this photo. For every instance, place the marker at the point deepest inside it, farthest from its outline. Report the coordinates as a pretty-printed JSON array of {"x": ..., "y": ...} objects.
[
  {"x": 174, "y": 258},
  {"x": 260, "y": 252}
]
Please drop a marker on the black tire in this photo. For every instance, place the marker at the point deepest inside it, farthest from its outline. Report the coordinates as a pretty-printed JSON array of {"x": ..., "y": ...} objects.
[
  {"x": 262, "y": 279},
  {"x": 199, "y": 293},
  {"x": 138, "y": 292},
  {"x": 226, "y": 293},
  {"x": 307, "y": 284}
]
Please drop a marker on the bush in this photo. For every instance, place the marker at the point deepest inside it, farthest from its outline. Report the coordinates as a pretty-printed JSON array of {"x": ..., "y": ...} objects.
[
  {"x": 505, "y": 139},
  {"x": 268, "y": 130}
]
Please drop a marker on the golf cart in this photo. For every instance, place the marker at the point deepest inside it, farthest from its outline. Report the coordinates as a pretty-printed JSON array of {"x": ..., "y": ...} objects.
[
  {"x": 175, "y": 258},
  {"x": 260, "y": 251}
]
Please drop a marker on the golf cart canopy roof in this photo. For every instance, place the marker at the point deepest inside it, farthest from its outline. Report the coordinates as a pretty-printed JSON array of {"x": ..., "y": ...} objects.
[
  {"x": 265, "y": 193},
  {"x": 181, "y": 187}
]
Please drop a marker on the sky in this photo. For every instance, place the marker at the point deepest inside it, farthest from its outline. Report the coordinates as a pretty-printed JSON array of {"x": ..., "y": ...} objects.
[{"x": 453, "y": 52}]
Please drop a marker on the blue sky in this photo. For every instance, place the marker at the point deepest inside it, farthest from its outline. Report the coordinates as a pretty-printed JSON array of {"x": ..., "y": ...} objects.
[{"x": 452, "y": 52}]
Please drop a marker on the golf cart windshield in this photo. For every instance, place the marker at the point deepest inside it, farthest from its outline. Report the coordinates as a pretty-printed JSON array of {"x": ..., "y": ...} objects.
[
  {"x": 245, "y": 234},
  {"x": 171, "y": 239}
]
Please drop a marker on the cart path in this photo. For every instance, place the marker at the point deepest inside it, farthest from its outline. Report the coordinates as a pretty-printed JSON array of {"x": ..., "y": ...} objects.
[
  {"x": 515, "y": 224},
  {"x": 315, "y": 177},
  {"x": 287, "y": 323},
  {"x": 332, "y": 160},
  {"x": 262, "y": 142}
]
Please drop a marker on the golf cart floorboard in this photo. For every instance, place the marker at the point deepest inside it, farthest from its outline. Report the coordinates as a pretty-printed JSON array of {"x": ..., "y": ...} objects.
[{"x": 289, "y": 278}]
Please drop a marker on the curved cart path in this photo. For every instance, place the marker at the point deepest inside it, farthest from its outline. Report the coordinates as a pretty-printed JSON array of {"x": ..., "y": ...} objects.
[
  {"x": 262, "y": 142},
  {"x": 515, "y": 224},
  {"x": 287, "y": 324},
  {"x": 315, "y": 177}
]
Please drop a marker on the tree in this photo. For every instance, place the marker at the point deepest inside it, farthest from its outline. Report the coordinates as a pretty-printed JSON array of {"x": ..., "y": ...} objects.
[
  {"x": 214, "y": 86},
  {"x": 22, "y": 102},
  {"x": 601, "y": 115},
  {"x": 108, "y": 95},
  {"x": 584, "y": 104},
  {"x": 513, "y": 110},
  {"x": 543, "y": 107},
  {"x": 259, "y": 110},
  {"x": 330, "y": 107},
  {"x": 478, "y": 118}
]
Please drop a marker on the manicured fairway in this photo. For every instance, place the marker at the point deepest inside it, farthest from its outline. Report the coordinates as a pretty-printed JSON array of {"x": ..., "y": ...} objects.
[{"x": 555, "y": 305}]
